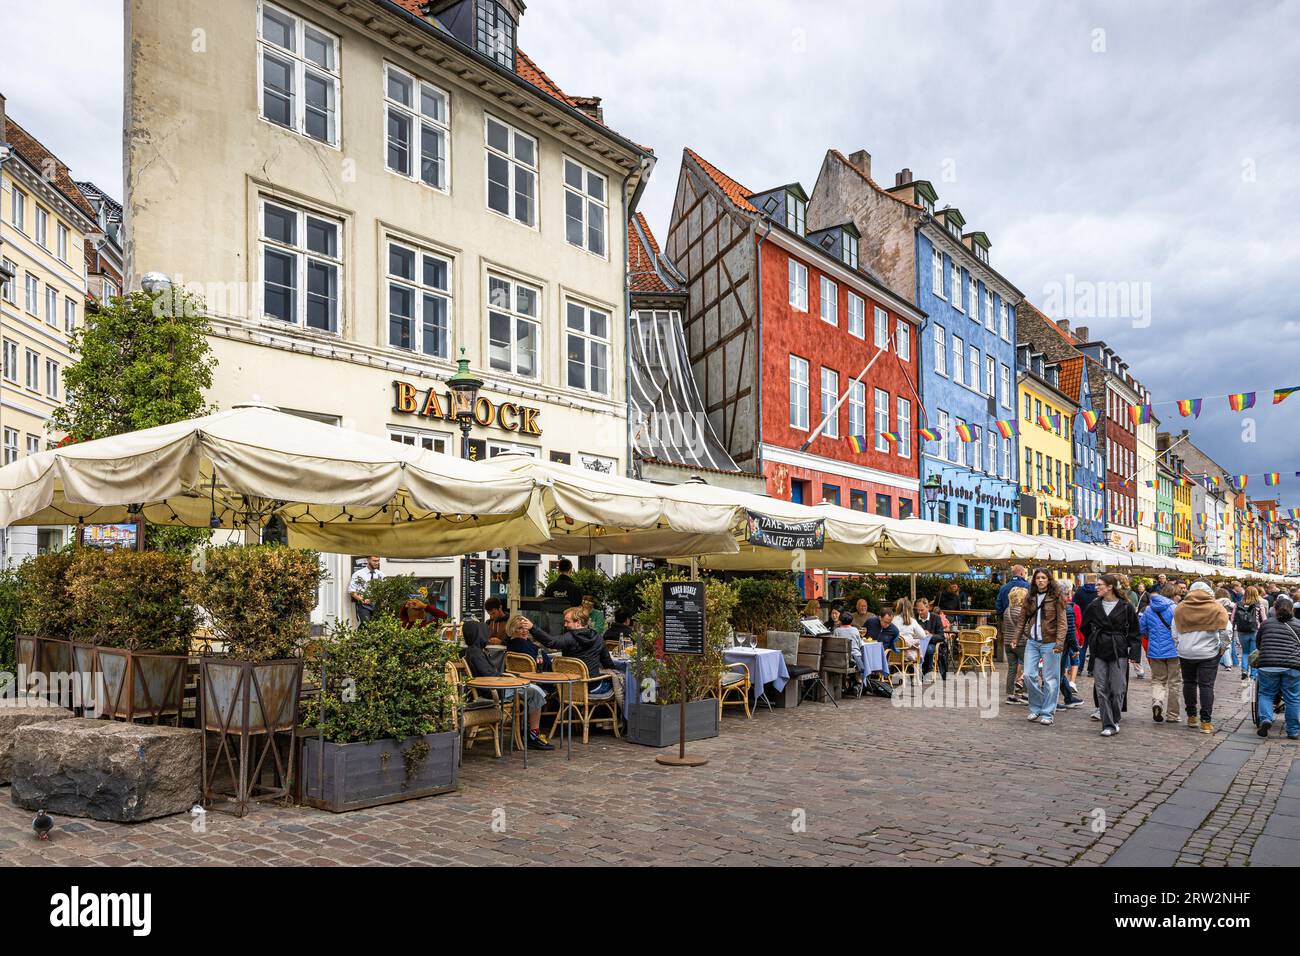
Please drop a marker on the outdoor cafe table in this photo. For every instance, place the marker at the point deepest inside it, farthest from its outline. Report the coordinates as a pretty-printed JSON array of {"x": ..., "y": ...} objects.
[
  {"x": 873, "y": 656},
  {"x": 505, "y": 683},
  {"x": 564, "y": 686},
  {"x": 766, "y": 666}
]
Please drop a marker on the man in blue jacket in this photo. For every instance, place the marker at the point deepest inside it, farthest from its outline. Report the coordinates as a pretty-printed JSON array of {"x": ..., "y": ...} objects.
[
  {"x": 1018, "y": 580},
  {"x": 1157, "y": 628}
]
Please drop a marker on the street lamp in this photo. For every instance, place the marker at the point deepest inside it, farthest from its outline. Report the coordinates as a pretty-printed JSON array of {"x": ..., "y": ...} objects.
[
  {"x": 464, "y": 393},
  {"x": 931, "y": 489}
]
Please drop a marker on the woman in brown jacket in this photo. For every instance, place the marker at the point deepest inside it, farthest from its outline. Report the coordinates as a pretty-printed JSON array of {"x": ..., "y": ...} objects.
[{"x": 1042, "y": 632}]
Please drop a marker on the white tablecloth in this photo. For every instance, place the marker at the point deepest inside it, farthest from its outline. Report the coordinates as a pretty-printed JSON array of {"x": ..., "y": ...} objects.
[
  {"x": 873, "y": 655},
  {"x": 766, "y": 666}
]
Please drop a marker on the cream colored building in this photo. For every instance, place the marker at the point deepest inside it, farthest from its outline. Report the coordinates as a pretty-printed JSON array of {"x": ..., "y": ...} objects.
[
  {"x": 361, "y": 192},
  {"x": 45, "y": 222},
  {"x": 1146, "y": 496}
]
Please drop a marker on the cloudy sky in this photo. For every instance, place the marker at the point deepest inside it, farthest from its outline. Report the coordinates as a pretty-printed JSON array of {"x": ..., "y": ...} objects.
[{"x": 1148, "y": 144}]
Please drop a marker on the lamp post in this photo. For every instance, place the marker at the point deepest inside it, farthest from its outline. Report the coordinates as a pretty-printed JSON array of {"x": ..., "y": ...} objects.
[
  {"x": 931, "y": 489},
  {"x": 464, "y": 393}
]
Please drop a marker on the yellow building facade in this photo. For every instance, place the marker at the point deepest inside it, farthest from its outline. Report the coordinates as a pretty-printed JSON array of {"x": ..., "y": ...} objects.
[
  {"x": 1183, "y": 518},
  {"x": 1046, "y": 436}
]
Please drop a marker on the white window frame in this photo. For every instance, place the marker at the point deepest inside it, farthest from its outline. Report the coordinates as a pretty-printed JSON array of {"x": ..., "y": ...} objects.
[
  {"x": 61, "y": 242},
  {"x": 51, "y": 379},
  {"x": 18, "y": 209},
  {"x": 302, "y": 258},
  {"x": 69, "y": 315},
  {"x": 974, "y": 369},
  {"x": 857, "y": 315},
  {"x": 974, "y": 300},
  {"x": 857, "y": 410},
  {"x": 1005, "y": 372},
  {"x": 51, "y": 306},
  {"x": 1002, "y": 321},
  {"x": 798, "y": 393},
  {"x": 828, "y": 304},
  {"x": 588, "y": 203},
  {"x": 420, "y": 438},
  {"x": 518, "y": 317},
  {"x": 10, "y": 361},
  {"x": 10, "y": 445},
  {"x": 33, "y": 444},
  {"x": 41, "y": 231},
  {"x": 10, "y": 290},
  {"x": 904, "y": 412},
  {"x": 798, "y": 285},
  {"x": 990, "y": 375},
  {"x": 830, "y": 395},
  {"x": 796, "y": 214},
  {"x": 880, "y": 323},
  {"x": 516, "y": 169},
  {"x": 936, "y": 273},
  {"x": 957, "y": 287},
  {"x": 301, "y": 67},
  {"x": 988, "y": 309},
  {"x": 32, "y": 294},
  {"x": 940, "y": 352},
  {"x": 417, "y": 123},
  {"x": 902, "y": 339},
  {"x": 958, "y": 360},
  {"x": 419, "y": 292},
  {"x": 590, "y": 342},
  {"x": 32, "y": 376},
  {"x": 880, "y": 407}
]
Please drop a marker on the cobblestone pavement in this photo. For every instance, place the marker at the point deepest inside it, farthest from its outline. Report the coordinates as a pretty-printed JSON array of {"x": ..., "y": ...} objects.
[{"x": 867, "y": 783}]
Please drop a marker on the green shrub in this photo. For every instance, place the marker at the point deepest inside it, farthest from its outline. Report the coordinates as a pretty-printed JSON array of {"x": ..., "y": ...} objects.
[
  {"x": 388, "y": 595},
  {"x": 624, "y": 590},
  {"x": 590, "y": 581},
  {"x": 702, "y": 671},
  {"x": 260, "y": 598},
  {"x": 11, "y": 604},
  {"x": 138, "y": 599},
  {"x": 765, "y": 604},
  {"x": 384, "y": 681},
  {"x": 43, "y": 589}
]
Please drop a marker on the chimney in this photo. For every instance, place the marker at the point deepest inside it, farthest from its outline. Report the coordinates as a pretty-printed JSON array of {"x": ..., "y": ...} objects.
[
  {"x": 1063, "y": 325},
  {"x": 1082, "y": 333},
  {"x": 589, "y": 105},
  {"x": 902, "y": 177},
  {"x": 862, "y": 160}
]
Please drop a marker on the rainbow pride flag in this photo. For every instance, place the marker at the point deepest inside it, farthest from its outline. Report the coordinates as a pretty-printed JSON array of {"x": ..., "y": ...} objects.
[
  {"x": 1044, "y": 422},
  {"x": 1007, "y": 427},
  {"x": 968, "y": 433},
  {"x": 1189, "y": 406},
  {"x": 1280, "y": 394},
  {"x": 891, "y": 437},
  {"x": 1241, "y": 481},
  {"x": 857, "y": 443},
  {"x": 1272, "y": 478},
  {"x": 929, "y": 434},
  {"x": 1089, "y": 418},
  {"x": 1241, "y": 401},
  {"x": 1139, "y": 414}
]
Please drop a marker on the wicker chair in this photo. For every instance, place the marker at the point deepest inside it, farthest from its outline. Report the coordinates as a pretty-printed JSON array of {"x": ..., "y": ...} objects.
[
  {"x": 478, "y": 715},
  {"x": 975, "y": 648},
  {"x": 733, "y": 682},
  {"x": 517, "y": 663},
  {"x": 897, "y": 662},
  {"x": 583, "y": 706}
]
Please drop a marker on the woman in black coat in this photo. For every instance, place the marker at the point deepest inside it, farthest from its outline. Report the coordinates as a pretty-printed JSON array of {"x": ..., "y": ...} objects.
[{"x": 1114, "y": 636}]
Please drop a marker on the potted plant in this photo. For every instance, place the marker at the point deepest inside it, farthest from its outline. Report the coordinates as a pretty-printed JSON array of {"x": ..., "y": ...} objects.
[
  {"x": 765, "y": 604},
  {"x": 259, "y": 599},
  {"x": 386, "y": 716},
  {"x": 134, "y": 616},
  {"x": 42, "y": 647},
  {"x": 655, "y": 686}
]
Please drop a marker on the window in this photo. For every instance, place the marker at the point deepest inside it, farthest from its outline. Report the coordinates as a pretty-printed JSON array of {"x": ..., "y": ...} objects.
[
  {"x": 858, "y": 500},
  {"x": 11, "y": 445},
  {"x": 416, "y": 109},
  {"x": 110, "y": 290},
  {"x": 956, "y": 286},
  {"x": 940, "y": 353},
  {"x": 830, "y": 396},
  {"x": 857, "y": 410},
  {"x": 850, "y": 249},
  {"x": 798, "y": 393},
  {"x": 11, "y": 361},
  {"x": 1038, "y": 471},
  {"x": 958, "y": 360},
  {"x": 419, "y": 300},
  {"x": 991, "y": 445},
  {"x": 42, "y": 226},
  {"x": 990, "y": 376},
  {"x": 51, "y": 306},
  {"x": 798, "y": 286},
  {"x": 1028, "y": 416},
  {"x": 904, "y": 428},
  {"x": 300, "y": 75},
  {"x": 961, "y": 515},
  {"x": 974, "y": 301},
  {"x": 796, "y": 213},
  {"x": 52, "y": 379},
  {"x": 33, "y": 380},
  {"x": 829, "y": 302},
  {"x": 882, "y": 419},
  {"x": 33, "y": 445},
  {"x": 962, "y": 450},
  {"x": 586, "y": 207},
  {"x": 1002, "y": 321},
  {"x": 1005, "y": 373},
  {"x": 948, "y": 448},
  {"x": 429, "y": 441},
  {"x": 884, "y": 505},
  {"x": 301, "y": 263},
  {"x": 903, "y": 340},
  {"x": 905, "y": 507},
  {"x": 61, "y": 249},
  {"x": 33, "y": 290},
  {"x": 511, "y": 172},
  {"x": 988, "y": 310},
  {"x": 587, "y": 333},
  {"x": 831, "y": 494},
  {"x": 10, "y": 288},
  {"x": 882, "y": 328},
  {"x": 936, "y": 272},
  {"x": 1029, "y": 466},
  {"x": 513, "y": 326},
  {"x": 857, "y": 315},
  {"x": 974, "y": 379},
  {"x": 494, "y": 33},
  {"x": 69, "y": 315},
  {"x": 18, "y": 209},
  {"x": 979, "y": 519}
]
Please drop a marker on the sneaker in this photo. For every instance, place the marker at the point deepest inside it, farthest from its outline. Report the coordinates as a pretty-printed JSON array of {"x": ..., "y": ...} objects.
[
  {"x": 1245, "y": 677},
  {"x": 1263, "y": 728},
  {"x": 1033, "y": 718},
  {"x": 1022, "y": 699},
  {"x": 1193, "y": 721},
  {"x": 535, "y": 742},
  {"x": 1074, "y": 688},
  {"x": 1046, "y": 721},
  {"x": 1157, "y": 713},
  {"x": 1013, "y": 699},
  {"x": 1207, "y": 727},
  {"x": 1110, "y": 731},
  {"x": 1095, "y": 715},
  {"x": 1073, "y": 704},
  {"x": 1141, "y": 674}
]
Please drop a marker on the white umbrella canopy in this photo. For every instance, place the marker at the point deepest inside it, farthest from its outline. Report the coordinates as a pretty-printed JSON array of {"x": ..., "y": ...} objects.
[{"x": 335, "y": 489}]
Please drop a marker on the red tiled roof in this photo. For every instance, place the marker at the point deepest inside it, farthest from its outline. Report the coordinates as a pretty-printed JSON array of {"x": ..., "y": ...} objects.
[
  {"x": 871, "y": 182},
  {"x": 1071, "y": 376},
  {"x": 641, "y": 256},
  {"x": 44, "y": 162},
  {"x": 735, "y": 192}
]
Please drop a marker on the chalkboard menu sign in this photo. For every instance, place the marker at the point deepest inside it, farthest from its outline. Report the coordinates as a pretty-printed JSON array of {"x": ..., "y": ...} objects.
[
  {"x": 769, "y": 532},
  {"x": 684, "y": 617},
  {"x": 473, "y": 585}
]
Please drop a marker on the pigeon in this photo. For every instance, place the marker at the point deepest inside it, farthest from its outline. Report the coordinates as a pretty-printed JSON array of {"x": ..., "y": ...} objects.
[{"x": 43, "y": 824}]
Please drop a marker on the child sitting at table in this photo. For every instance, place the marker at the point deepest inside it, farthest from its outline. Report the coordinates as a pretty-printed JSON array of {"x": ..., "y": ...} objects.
[{"x": 846, "y": 629}]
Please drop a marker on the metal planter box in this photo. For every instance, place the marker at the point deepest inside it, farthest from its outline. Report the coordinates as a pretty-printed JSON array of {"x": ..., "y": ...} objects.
[
  {"x": 340, "y": 777},
  {"x": 140, "y": 685},
  {"x": 659, "y": 725}
]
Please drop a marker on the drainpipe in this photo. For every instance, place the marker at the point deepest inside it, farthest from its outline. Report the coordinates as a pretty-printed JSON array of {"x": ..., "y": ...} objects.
[{"x": 758, "y": 355}]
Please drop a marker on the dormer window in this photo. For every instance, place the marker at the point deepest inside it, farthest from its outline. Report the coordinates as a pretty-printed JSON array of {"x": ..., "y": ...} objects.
[
  {"x": 494, "y": 33},
  {"x": 849, "y": 250},
  {"x": 982, "y": 254},
  {"x": 954, "y": 229},
  {"x": 796, "y": 213}
]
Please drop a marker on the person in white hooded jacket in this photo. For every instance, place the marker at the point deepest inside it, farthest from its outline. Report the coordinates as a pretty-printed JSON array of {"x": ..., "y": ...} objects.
[{"x": 1202, "y": 630}]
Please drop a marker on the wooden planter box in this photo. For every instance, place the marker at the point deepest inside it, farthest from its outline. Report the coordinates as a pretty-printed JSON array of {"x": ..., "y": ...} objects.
[
  {"x": 85, "y": 663},
  {"x": 50, "y": 670},
  {"x": 340, "y": 777},
  {"x": 26, "y": 658},
  {"x": 659, "y": 725},
  {"x": 139, "y": 685}
]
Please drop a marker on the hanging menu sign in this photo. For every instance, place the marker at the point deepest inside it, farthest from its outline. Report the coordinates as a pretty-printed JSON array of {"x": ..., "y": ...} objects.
[
  {"x": 473, "y": 586},
  {"x": 684, "y": 617},
  {"x": 785, "y": 535}
]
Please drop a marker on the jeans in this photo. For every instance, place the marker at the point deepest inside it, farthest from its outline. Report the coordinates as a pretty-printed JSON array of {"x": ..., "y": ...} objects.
[
  {"x": 1166, "y": 685},
  {"x": 536, "y": 697},
  {"x": 1199, "y": 676},
  {"x": 1068, "y": 694},
  {"x": 1111, "y": 683},
  {"x": 1232, "y": 649},
  {"x": 1042, "y": 701},
  {"x": 1015, "y": 655},
  {"x": 1288, "y": 679},
  {"x": 1248, "y": 644}
]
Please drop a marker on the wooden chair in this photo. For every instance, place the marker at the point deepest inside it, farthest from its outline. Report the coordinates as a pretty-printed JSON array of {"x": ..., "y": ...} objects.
[
  {"x": 897, "y": 663},
  {"x": 787, "y": 642},
  {"x": 734, "y": 680},
  {"x": 582, "y": 706},
  {"x": 975, "y": 648},
  {"x": 810, "y": 669},
  {"x": 837, "y": 658},
  {"x": 475, "y": 715}
]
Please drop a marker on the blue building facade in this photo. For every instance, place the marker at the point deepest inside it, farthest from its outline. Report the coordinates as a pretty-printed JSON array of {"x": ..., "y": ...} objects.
[
  {"x": 968, "y": 375},
  {"x": 1089, "y": 469}
]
